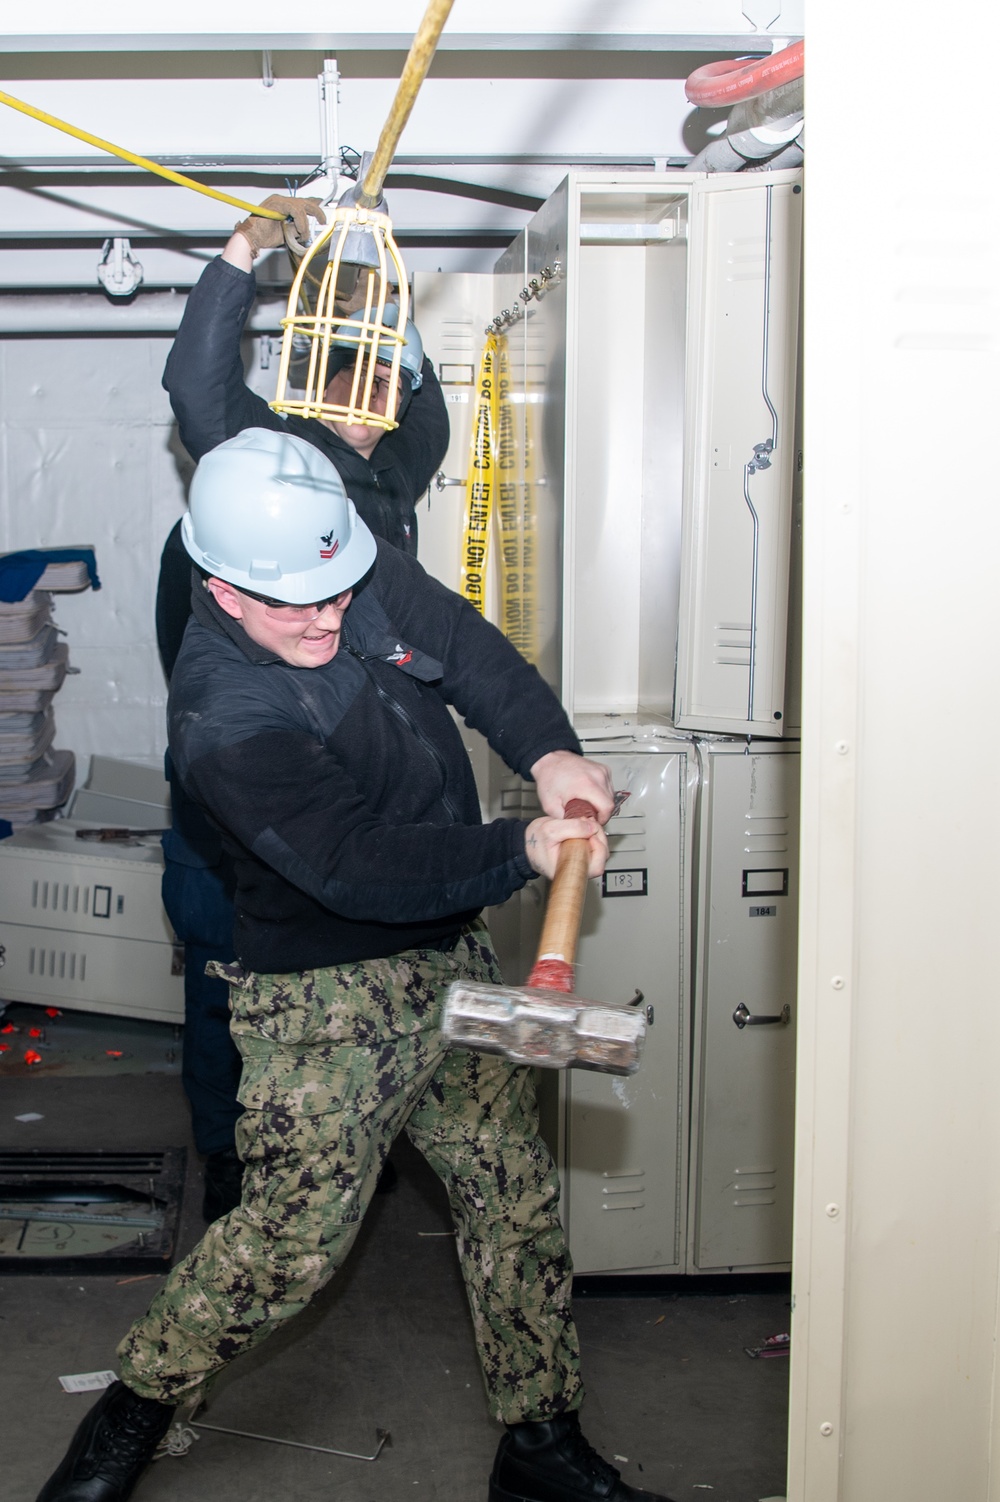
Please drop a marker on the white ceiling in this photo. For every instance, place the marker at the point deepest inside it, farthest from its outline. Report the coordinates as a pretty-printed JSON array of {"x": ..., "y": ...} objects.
[{"x": 499, "y": 120}]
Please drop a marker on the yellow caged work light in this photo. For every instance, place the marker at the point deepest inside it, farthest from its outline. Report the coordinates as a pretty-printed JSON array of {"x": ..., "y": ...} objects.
[
  {"x": 313, "y": 323},
  {"x": 355, "y": 247}
]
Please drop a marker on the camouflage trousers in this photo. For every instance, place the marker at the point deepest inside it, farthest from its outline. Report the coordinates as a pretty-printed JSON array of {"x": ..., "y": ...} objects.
[{"x": 336, "y": 1062}]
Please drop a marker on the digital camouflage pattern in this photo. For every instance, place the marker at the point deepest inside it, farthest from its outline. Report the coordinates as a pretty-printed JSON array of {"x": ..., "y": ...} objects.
[{"x": 336, "y": 1062}]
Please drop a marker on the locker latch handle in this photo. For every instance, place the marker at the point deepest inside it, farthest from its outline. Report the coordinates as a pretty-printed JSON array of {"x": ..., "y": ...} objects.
[{"x": 744, "y": 1018}]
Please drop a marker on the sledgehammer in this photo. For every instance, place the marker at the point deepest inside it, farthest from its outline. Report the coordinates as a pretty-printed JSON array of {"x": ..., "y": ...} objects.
[{"x": 541, "y": 1022}]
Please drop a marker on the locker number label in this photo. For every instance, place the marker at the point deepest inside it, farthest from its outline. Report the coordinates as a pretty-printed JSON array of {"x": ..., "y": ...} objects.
[{"x": 624, "y": 883}]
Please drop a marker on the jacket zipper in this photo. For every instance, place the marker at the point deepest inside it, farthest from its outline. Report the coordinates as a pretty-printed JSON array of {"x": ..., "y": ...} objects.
[{"x": 404, "y": 716}]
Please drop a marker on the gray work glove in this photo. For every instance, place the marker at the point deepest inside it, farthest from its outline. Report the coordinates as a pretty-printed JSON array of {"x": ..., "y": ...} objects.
[{"x": 268, "y": 234}]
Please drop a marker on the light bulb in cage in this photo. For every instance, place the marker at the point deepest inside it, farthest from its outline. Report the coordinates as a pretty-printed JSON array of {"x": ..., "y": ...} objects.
[{"x": 372, "y": 331}]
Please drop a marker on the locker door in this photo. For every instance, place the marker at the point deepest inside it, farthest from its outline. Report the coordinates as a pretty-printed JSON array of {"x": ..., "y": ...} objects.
[
  {"x": 547, "y": 395},
  {"x": 740, "y": 456},
  {"x": 746, "y": 959},
  {"x": 625, "y": 1139}
]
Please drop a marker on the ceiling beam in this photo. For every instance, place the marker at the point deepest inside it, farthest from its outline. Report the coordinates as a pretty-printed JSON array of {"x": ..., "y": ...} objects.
[{"x": 339, "y": 42}]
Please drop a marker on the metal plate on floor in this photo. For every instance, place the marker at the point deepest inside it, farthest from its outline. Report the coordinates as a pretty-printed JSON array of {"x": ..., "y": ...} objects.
[{"x": 101, "y": 1211}]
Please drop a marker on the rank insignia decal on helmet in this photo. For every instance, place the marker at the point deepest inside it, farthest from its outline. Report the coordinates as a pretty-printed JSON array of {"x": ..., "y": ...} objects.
[{"x": 256, "y": 505}]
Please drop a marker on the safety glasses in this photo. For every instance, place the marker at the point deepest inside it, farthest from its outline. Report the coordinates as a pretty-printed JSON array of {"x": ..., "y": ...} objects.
[{"x": 280, "y": 610}]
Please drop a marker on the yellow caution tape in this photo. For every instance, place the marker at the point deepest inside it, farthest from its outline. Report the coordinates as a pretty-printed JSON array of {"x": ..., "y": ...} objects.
[
  {"x": 529, "y": 535},
  {"x": 480, "y": 483},
  {"x": 138, "y": 161},
  {"x": 500, "y": 481},
  {"x": 513, "y": 622},
  {"x": 515, "y": 466}
]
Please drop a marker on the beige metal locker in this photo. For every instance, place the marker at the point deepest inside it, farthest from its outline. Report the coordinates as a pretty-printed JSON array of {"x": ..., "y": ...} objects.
[
  {"x": 621, "y": 368},
  {"x": 622, "y": 1143},
  {"x": 740, "y": 455},
  {"x": 743, "y": 1094}
]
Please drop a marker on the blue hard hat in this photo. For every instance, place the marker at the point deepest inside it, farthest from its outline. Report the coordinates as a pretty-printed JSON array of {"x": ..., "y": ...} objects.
[{"x": 411, "y": 358}]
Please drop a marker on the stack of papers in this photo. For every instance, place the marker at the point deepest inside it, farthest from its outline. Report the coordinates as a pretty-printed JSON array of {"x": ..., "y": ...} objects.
[{"x": 35, "y": 780}]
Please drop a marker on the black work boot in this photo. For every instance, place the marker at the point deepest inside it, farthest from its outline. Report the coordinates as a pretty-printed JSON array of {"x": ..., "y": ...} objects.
[
  {"x": 111, "y": 1448},
  {"x": 551, "y": 1461},
  {"x": 223, "y": 1184}
]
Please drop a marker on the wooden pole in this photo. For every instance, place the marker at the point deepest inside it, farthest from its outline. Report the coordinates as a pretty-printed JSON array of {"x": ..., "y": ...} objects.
[{"x": 413, "y": 75}]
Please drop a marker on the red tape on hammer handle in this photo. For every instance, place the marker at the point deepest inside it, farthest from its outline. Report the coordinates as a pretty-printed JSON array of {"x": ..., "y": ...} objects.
[{"x": 553, "y": 969}]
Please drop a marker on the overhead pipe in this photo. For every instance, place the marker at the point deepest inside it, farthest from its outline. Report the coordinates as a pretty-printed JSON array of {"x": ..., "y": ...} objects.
[
  {"x": 730, "y": 82},
  {"x": 759, "y": 131},
  {"x": 792, "y": 155},
  {"x": 717, "y": 156},
  {"x": 759, "y": 126},
  {"x": 72, "y": 314}
]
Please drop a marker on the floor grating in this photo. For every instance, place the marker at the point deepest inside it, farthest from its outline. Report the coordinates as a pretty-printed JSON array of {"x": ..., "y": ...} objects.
[{"x": 77, "y": 1211}]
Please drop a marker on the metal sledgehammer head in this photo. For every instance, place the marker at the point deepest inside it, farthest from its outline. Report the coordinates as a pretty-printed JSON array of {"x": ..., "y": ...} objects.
[
  {"x": 545, "y": 1028},
  {"x": 541, "y": 1023}
]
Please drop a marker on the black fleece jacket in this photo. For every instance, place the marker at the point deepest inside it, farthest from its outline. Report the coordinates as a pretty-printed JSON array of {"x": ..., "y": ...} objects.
[
  {"x": 204, "y": 378},
  {"x": 344, "y": 792}
]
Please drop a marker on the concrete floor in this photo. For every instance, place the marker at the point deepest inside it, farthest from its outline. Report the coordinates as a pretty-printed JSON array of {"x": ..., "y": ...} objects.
[{"x": 387, "y": 1345}]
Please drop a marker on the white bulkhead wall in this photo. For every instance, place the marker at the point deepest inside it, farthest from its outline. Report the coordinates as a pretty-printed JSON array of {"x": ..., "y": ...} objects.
[
  {"x": 89, "y": 453},
  {"x": 894, "y": 1390}
]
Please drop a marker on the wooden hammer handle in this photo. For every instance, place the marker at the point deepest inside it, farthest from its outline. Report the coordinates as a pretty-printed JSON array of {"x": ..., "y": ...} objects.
[{"x": 561, "y": 926}]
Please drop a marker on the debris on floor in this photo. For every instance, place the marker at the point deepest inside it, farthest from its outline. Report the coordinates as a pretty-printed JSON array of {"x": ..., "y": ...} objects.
[
  {"x": 87, "y": 1381},
  {"x": 775, "y": 1345},
  {"x": 70, "y": 1043}
]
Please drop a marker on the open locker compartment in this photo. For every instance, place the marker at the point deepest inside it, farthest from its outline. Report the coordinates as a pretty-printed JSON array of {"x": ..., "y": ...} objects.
[
  {"x": 625, "y": 405},
  {"x": 667, "y": 324},
  {"x": 743, "y": 1075}
]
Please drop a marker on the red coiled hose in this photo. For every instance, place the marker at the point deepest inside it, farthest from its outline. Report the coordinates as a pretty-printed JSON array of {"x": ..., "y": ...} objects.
[{"x": 730, "y": 82}]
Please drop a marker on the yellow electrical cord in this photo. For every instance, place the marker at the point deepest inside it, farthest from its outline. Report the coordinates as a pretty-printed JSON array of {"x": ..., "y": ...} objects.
[{"x": 138, "y": 161}]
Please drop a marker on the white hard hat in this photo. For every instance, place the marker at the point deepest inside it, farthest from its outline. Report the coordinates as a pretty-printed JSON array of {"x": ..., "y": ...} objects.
[{"x": 269, "y": 513}]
